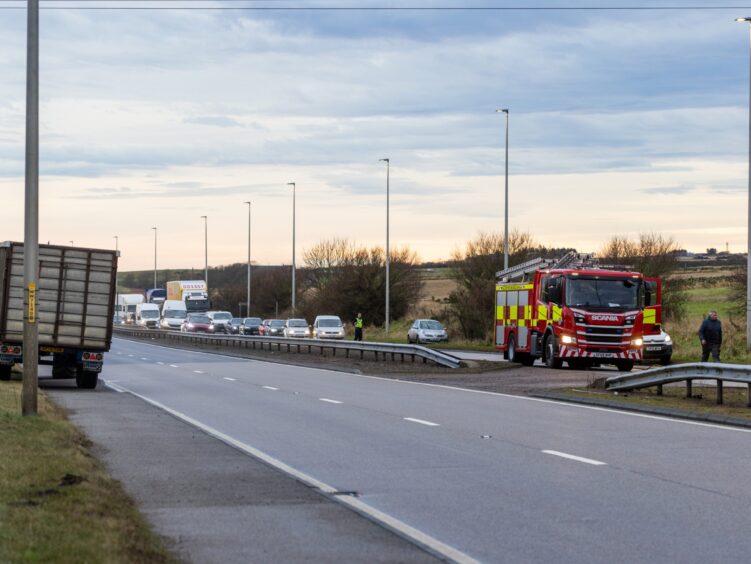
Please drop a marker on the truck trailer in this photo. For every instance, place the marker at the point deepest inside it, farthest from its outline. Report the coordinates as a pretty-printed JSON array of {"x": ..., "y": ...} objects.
[
  {"x": 75, "y": 303},
  {"x": 193, "y": 293},
  {"x": 576, "y": 311}
]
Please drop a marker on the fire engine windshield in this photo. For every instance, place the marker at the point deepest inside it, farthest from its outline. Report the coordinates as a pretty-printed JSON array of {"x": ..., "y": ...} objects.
[{"x": 602, "y": 293}]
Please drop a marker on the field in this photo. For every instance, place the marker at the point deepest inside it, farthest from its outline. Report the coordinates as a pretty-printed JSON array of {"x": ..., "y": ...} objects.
[{"x": 56, "y": 502}]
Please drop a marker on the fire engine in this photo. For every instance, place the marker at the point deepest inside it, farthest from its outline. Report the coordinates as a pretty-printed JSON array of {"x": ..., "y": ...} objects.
[{"x": 574, "y": 310}]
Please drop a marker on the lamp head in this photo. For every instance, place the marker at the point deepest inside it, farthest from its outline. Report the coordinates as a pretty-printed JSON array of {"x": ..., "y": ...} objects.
[
  {"x": 743, "y": 19},
  {"x": 504, "y": 110},
  {"x": 384, "y": 160},
  {"x": 290, "y": 183}
]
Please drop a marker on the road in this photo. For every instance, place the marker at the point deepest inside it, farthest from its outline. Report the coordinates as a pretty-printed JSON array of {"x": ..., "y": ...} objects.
[{"x": 499, "y": 478}]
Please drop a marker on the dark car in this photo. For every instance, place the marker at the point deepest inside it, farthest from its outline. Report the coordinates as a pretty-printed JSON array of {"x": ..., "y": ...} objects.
[
  {"x": 234, "y": 325},
  {"x": 197, "y": 322},
  {"x": 251, "y": 326},
  {"x": 275, "y": 328}
]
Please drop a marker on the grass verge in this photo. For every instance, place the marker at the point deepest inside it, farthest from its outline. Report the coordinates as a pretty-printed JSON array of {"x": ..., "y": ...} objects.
[
  {"x": 56, "y": 501},
  {"x": 703, "y": 400}
]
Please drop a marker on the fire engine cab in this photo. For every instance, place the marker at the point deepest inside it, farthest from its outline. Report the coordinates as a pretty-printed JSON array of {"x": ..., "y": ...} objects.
[{"x": 573, "y": 310}]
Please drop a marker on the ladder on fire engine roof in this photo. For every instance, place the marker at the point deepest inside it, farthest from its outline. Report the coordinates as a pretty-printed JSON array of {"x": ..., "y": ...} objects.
[{"x": 569, "y": 260}]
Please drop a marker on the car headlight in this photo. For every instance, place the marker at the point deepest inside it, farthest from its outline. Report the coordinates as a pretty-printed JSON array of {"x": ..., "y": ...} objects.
[
  {"x": 637, "y": 342},
  {"x": 568, "y": 340},
  {"x": 667, "y": 338}
]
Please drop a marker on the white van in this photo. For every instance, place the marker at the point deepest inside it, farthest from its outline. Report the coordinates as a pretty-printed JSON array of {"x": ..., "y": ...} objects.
[
  {"x": 328, "y": 327},
  {"x": 126, "y": 306},
  {"x": 147, "y": 315},
  {"x": 173, "y": 314}
]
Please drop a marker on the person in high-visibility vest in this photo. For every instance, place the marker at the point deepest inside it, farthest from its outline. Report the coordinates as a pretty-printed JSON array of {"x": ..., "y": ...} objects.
[{"x": 358, "y": 327}]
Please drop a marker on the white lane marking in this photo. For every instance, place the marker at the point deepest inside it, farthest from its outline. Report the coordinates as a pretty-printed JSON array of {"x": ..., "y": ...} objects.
[
  {"x": 160, "y": 363},
  {"x": 327, "y": 400},
  {"x": 422, "y": 422},
  {"x": 118, "y": 352},
  {"x": 198, "y": 371},
  {"x": 130, "y": 356},
  {"x": 144, "y": 358},
  {"x": 442, "y": 549},
  {"x": 114, "y": 386},
  {"x": 577, "y": 458},
  {"x": 272, "y": 388},
  {"x": 455, "y": 388},
  {"x": 174, "y": 366},
  {"x": 230, "y": 379}
]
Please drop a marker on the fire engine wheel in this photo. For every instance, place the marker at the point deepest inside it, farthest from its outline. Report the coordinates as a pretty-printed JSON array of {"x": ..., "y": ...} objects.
[
  {"x": 511, "y": 354},
  {"x": 625, "y": 365},
  {"x": 5, "y": 373},
  {"x": 549, "y": 357}
]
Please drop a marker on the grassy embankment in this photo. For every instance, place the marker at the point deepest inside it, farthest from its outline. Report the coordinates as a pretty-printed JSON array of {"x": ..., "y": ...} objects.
[{"x": 56, "y": 502}]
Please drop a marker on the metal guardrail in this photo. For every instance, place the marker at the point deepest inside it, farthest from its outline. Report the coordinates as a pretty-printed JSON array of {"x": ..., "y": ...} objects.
[
  {"x": 658, "y": 377},
  {"x": 300, "y": 345}
]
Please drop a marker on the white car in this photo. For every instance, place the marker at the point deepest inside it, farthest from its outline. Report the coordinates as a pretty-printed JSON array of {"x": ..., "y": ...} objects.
[
  {"x": 296, "y": 328},
  {"x": 221, "y": 321},
  {"x": 328, "y": 327},
  {"x": 427, "y": 331},
  {"x": 657, "y": 348}
]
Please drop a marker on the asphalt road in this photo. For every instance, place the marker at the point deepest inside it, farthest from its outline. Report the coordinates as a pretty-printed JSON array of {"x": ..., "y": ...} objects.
[{"x": 499, "y": 478}]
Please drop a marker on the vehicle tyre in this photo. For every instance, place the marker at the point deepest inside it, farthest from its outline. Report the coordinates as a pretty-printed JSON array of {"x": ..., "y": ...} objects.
[
  {"x": 527, "y": 359},
  {"x": 511, "y": 354},
  {"x": 625, "y": 365},
  {"x": 86, "y": 379},
  {"x": 549, "y": 353},
  {"x": 665, "y": 360},
  {"x": 5, "y": 373}
]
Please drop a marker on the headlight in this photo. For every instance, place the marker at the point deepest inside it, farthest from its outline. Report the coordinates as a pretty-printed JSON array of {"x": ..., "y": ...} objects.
[
  {"x": 568, "y": 340},
  {"x": 667, "y": 338},
  {"x": 637, "y": 342}
]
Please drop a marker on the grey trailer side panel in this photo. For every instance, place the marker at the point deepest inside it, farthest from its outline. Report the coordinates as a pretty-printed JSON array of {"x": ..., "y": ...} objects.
[{"x": 75, "y": 296}]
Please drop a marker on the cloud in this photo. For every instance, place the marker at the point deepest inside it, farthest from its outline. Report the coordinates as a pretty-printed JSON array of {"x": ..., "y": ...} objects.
[
  {"x": 218, "y": 121},
  {"x": 677, "y": 190}
]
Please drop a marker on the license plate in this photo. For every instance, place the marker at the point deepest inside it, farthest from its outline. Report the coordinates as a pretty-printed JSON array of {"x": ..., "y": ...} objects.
[
  {"x": 52, "y": 349},
  {"x": 603, "y": 355},
  {"x": 654, "y": 348}
]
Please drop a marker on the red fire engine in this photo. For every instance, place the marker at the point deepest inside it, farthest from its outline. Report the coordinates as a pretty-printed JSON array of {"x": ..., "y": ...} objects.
[{"x": 576, "y": 311}]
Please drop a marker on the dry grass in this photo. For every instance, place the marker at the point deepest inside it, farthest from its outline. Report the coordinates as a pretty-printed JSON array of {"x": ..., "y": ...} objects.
[{"x": 56, "y": 502}]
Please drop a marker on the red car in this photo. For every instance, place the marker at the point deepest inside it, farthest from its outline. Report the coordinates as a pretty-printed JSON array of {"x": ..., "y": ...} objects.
[
  {"x": 197, "y": 322},
  {"x": 263, "y": 326}
]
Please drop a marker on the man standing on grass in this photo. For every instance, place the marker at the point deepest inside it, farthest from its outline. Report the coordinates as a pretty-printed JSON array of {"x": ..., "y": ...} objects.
[
  {"x": 710, "y": 335},
  {"x": 358, "y": 327}
]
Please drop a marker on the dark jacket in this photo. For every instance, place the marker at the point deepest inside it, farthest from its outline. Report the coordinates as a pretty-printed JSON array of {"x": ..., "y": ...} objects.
[{"x": 711, "y": 331}]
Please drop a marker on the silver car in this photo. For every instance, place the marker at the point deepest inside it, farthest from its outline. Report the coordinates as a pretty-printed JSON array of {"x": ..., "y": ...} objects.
[
  {"x": 296, "y": 328},
  {"x": 427, "y": 331},
  {"x": 328, "y": 327}
]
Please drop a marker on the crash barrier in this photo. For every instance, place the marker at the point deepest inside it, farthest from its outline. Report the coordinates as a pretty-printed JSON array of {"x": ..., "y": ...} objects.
[
  {"x": 377, "y": 351},
  {"x": 658, "y": 377}
]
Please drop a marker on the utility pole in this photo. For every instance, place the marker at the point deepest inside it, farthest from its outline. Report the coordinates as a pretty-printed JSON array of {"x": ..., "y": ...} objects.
[
  {"x": 155, "y": 231},
  {"x": 31, "y": 216},
  {"x": 117, "y": 275},
  {"x": 388, "y": 258},
  {"x": 247, "y": 303},
  {"x": 294, "y": 266},
  {"x": 505, "y": 213},
  {"x": 748, "y": 217},
  {"x": 206, "y": 248}
]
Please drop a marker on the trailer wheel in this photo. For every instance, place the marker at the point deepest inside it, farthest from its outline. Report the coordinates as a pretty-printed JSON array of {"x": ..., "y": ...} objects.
[
  {"x": 549, "y": 353},
  {"x": 86, "y": 379},
  {"x": 5, "y": 373}
]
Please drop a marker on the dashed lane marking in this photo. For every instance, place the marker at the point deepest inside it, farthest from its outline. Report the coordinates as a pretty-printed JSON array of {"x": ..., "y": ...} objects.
[
  {"x": 576, "y": 458},
  {"x": 422, "y": 422},
  {"x": 230, "y": 379},
  {"x": 327, "y": 400},
  {"x": 272, "y": 388}
]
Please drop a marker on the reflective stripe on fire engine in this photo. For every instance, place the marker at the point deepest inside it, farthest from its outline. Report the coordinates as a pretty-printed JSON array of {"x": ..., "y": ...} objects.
[
  {"x": 513, "y": 313},
  {"x": 500, "y": 312},
  {"x": 542, "y": 311},
  {"x": 513, "y": 287},
  {"x": 650, "y": 315},
  {"x": 556, "y": 313}
]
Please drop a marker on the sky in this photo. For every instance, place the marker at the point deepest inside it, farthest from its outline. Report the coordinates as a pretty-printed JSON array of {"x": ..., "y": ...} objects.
[{"x": 621, "y": 122}]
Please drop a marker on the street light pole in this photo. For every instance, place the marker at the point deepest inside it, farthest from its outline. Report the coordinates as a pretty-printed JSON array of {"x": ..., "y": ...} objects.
[
  {"x": 388, "y": 258},
  {"x": 206, "y": 248},
  {"x": 31, "y": 216},
  {"x": 505, "y": 221},
  {"x": 117, "y": 275},
  {"x": 155, "y": 231},
  {"x": 247, "y": 303},
  {"x": 294, "y": 267},
  {"x": 748, "y": 217}
]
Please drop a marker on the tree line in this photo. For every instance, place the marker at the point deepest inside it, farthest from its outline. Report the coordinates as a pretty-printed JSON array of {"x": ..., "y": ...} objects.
[{"x": 340, "y": 277}]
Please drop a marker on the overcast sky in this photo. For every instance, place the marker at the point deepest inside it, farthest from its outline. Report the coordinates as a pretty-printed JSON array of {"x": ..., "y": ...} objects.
[{"x": 621, "y": 122}]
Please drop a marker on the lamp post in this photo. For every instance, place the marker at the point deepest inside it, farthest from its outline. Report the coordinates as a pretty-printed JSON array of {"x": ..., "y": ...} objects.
[
  {"x": 206, "y": 248},
  {"x": 31, "y": 216},
  {"x": 294, "y": 268},
  {"x": 748, "y": 218},
  {"x": 155, "y": 231},
  {"x": 505, "y": 221},
  {"x": 388, "y": 259},
  {"x": 247, "y": 303},
  {"x": 117, "y": 275}
]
